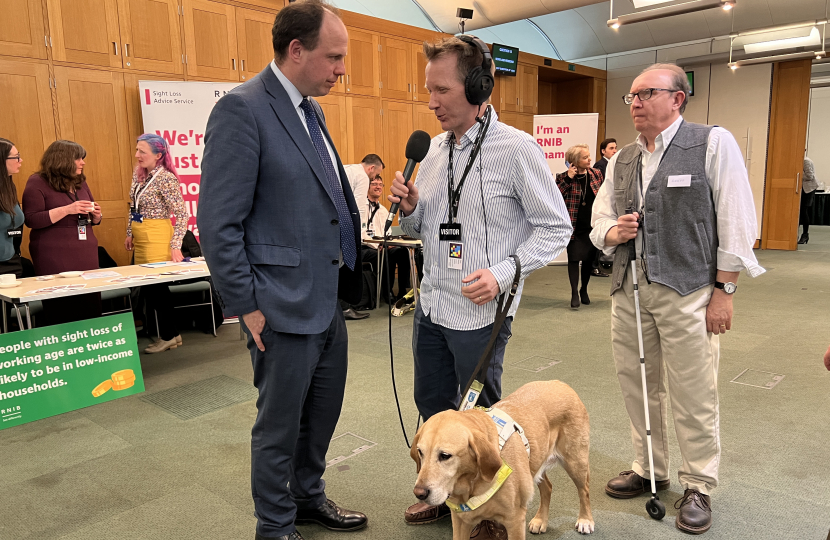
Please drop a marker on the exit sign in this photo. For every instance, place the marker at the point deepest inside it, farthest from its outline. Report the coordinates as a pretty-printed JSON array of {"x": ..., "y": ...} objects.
[{"x": 571, "y": 67}]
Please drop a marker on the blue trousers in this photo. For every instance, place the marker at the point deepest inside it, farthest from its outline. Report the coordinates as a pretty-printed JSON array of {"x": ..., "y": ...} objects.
[
  {"x": 445, "y": 360},
  {"x": 301, "y": 380}
]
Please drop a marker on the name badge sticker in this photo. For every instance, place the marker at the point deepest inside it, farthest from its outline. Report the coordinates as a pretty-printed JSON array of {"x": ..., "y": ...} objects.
[
  {"x": 680, "y": 180},
  {"x": 456, "y": 256}
]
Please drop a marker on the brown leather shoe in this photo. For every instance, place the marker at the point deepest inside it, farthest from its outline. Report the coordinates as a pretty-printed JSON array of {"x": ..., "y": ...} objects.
[
  {"x": 630, "y": 484},
  {"x": 694, "y": 514},
  {"x": 487, "y": 530},
  {"x": 423, "y": 513}
]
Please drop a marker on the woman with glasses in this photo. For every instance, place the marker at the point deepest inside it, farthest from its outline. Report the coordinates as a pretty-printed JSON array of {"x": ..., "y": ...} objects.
[
  {"x": 60, "y": 210},
  {"x": 155, "y": 195},
  {"x": 11, "y": 216},
  {"x": 579, "y": 186}
]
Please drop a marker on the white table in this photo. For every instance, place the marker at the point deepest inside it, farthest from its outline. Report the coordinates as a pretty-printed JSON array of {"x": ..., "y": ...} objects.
[
  {"x": 23, "y": 294},
  {"x": 411, "y": 246}
]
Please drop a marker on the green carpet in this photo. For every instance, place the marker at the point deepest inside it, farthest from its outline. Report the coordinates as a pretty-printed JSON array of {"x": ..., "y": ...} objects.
[{"x": 128, "y": 469}]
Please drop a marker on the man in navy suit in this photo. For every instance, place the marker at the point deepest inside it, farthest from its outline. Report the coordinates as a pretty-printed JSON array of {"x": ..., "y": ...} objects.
[{"x": 280, "y": 231}]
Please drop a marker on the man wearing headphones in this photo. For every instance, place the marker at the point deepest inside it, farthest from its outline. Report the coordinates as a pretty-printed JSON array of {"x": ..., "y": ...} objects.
[{"x": 483, "y": 193}]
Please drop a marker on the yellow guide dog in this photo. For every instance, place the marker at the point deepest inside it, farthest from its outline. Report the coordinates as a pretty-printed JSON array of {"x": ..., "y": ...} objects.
[{"x": 458, "y": 458}]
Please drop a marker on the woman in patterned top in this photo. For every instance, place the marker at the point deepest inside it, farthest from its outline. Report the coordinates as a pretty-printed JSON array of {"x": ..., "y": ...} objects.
[{"x": 155, "y": 194}]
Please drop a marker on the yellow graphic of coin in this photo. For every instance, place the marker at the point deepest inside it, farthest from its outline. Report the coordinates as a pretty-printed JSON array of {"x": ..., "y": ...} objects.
[
  {"x": 123, "y": 374},
  {"x": 102, "y": 388},
  {"x": 123, "y": 385}
]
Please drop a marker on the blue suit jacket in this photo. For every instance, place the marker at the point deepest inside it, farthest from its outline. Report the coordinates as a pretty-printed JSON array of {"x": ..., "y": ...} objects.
[{"x": 267, "y": 222}]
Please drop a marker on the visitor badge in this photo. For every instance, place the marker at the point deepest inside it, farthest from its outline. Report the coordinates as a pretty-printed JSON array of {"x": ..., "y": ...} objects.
[
  {"x": 81, "y": 232},
  {"x": 449, "y": 232},
  {"x": 680, "y": 180},
  {"x": 456, "y": 256}
]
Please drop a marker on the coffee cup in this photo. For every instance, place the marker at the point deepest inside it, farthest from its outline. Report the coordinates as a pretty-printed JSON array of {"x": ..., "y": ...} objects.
[{"x": 7, "y": 278}]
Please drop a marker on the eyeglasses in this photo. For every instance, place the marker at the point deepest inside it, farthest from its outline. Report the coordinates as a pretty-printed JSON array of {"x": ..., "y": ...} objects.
[
  {"x": 644, "y": 94},
  {"x": 16, "y": 158}
]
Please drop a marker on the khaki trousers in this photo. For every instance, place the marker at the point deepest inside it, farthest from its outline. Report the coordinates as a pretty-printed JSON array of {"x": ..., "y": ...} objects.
[{"x": 678, "y": 348}]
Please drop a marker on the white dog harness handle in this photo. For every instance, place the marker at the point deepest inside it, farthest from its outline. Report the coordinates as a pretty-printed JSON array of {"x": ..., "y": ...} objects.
[{"x": 507, "y": 427}]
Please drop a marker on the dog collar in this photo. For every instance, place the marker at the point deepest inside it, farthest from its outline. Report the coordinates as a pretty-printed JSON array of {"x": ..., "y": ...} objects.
[
  {"x": 507, "y": 427},
  {"x": 478, "y": 500}
]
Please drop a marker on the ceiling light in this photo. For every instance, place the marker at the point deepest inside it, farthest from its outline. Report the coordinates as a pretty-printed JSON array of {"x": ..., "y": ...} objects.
[
  {"x": 666, "y": 11},
  {"x": 728, "y": 5},
  {"x": 787, "y": 39},
  {"x": 733, "y": 66},
  {"x": 775, "y": 58}
]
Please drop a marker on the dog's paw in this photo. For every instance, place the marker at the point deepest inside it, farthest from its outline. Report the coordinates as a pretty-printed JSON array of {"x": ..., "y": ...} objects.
[
  {"x": 537, "y": 526},
  {"x": 584, "y": 526}
]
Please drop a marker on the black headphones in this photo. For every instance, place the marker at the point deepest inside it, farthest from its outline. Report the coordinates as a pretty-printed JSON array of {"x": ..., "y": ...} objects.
[{"x": 479, "y": 82}]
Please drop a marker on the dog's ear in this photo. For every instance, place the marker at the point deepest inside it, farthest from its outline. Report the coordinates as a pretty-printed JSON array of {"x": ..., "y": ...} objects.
[
  {"x": 413, "y": 452},
  {"x": 485, "y": 446}
]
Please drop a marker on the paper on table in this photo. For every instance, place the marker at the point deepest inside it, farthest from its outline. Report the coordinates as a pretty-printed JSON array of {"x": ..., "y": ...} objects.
[{"x": 100, "y": 275}]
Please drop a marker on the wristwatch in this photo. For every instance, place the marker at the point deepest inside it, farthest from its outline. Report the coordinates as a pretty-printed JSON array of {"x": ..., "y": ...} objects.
[{"x": 728, "y": 287}]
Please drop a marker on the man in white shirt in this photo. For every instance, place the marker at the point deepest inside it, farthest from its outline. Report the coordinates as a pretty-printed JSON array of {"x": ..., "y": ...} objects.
[
  {"x": 682, "y": 195},
  {"x": 359, "y": 175},
  {"x": 398, "y": 256}
]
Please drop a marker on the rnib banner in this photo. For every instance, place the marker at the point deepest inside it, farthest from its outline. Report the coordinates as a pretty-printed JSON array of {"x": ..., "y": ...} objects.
[
  {"x": 179, "y": 111},
  {"x": 555, "y": 133}
]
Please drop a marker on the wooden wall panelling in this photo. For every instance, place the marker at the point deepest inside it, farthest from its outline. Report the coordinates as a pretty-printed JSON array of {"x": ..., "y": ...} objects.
[
  {"x": 787, "y": 141},
  {"x": 270, "y": 5},
  {"x": 525, "y": 123},
  {"x": 135, "y": 122},
  {"x": 334, "y": 109},
  {"x": 528, "y": 88},
  {"x": 93, "y": 112},
  {"x": 419, "y": 78},
  {"x": 256, "y": 49},
  {"x": 390, "y": 28},
  {"x": 397, "y": 127},
  {"x": 599, "y": 91},
  {"x": 396, "y": 68},
  {"x": 28, "y": 119},
  {"x": 22, "y": 33},
  {"x": 509, "y": 93},
  {"x": 150, "y": 35},
  {"x": 545, "y": 98},
  {"x": 574, "y": 96},
  {"x": 365, "y": 128},
  {"x": 362, "y": 63},
  {"x": 210, "y": 40},
  {"x": 425, "y": 120},
  {"x": 85, "y": 32}
]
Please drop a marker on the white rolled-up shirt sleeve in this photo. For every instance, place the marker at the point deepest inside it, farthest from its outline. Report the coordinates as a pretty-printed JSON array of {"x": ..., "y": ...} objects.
[{"x": 734, "y": 204}]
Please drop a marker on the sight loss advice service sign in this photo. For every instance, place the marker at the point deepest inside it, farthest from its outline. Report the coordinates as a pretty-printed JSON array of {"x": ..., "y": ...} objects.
[{"x": 57, "y": 369}]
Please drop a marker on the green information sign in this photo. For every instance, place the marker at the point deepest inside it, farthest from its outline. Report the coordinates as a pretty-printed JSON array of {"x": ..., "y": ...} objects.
[{"x": 57, "y": 369}]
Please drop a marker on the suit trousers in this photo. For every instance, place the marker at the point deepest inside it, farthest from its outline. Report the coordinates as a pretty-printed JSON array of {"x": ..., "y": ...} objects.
[
  {"x": 678, "y": 348},
  {"x": 445, "y": 360},
  {"x": 301, "y": 381}
]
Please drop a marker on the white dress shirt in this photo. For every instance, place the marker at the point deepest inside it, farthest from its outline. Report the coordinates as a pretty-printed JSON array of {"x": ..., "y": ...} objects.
[
  {"x": 296, "y": 98},
  {"x": 360, "y": 188},
  {"x": 509, "y": 205},
  {"x": 731, "y": 193},
  {"x": 376, "y": 224}
]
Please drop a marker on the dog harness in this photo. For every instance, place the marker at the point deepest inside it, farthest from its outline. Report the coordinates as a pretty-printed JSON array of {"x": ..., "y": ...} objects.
[{"x": 507, "y": 427}]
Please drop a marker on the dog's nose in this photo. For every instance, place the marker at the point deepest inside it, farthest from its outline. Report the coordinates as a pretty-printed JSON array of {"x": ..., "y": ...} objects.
[{"x": 420, "y": 493}]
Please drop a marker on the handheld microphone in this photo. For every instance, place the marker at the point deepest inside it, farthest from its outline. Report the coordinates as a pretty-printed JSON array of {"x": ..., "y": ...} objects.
[{"x": 416, "y": 150}]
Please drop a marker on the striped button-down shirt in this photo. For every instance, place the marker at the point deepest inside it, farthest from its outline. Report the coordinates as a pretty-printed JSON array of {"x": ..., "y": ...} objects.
[{"x": 509, "y": 205}]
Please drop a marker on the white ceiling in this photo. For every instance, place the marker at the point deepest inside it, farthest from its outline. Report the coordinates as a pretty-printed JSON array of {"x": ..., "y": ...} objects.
[{"x": 577, "y": 28}]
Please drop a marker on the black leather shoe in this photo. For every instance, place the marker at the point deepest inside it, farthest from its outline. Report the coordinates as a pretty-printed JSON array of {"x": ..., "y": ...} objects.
[
  {"x": 804, "y": 238},
  {"x": 596, "y": 272},
  {"x": 332, "y": 517},
  {"x": 293, "y": 536},
  {"x": 630, "y": 484},
  {"x": 694, "y": 514},
  {"x": 352, "y": 315}
]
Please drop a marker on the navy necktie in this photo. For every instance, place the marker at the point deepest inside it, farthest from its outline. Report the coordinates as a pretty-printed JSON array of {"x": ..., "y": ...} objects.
[{"x": 347, "y": 241}]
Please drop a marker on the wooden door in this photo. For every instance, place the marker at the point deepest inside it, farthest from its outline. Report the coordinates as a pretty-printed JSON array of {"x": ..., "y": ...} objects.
[
  {"x": 85, "y": 32},
  {"x": 425, "y": 120},
  {"x": 93, "y": 113},
  {"x": 365, "y": 129},
  {"x": 150, "y": 35},
  {"x": 28, "y": 119},
  {"x": 419, "y": 77},
  {"x": 785, "y": 159},
  {"x": 256, "y": 49},
  {"x": 397, "y": 127},
  {"x": 210, "y": 40},
  {"x": 22, "y": 32},
  {"x": 529, "y": 85},
  {"x": 396, "y": 80},
  {"x": 271, "y": 5},
  {"x": 509, "y": 93},
  {"x": 135, "y": 122},
  {"x": 362, "y": 63},
  {"x": 523, "y": 122},
  {"x": 334, "y": 109}
]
